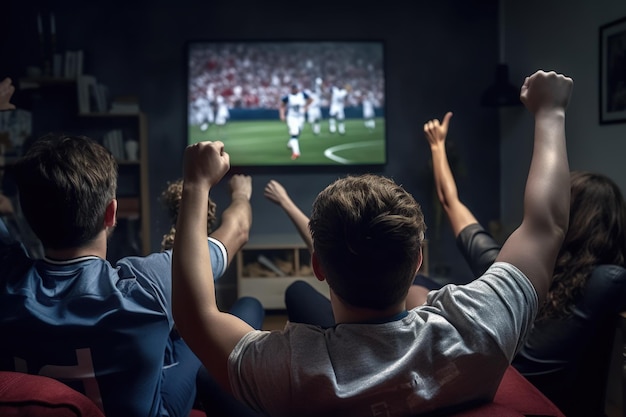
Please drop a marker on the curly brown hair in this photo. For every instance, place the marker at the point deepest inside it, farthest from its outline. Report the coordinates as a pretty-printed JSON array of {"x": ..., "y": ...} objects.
[
  {"x": 596, "y": 236},
  {"x": 170, "y": 197}
]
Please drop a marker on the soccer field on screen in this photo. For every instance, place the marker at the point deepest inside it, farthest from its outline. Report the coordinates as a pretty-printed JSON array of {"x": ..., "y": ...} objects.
[{"x": 264, "y": 143}]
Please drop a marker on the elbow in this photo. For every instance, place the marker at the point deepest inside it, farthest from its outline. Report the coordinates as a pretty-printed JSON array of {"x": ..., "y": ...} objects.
[
  {"x": 559, "y": 225},
  {"x": 560, "y": 231},
  {"x": 242, "y": 233}
]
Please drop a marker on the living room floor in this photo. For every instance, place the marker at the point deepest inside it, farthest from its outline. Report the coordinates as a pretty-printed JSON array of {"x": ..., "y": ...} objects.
[{"x": 275, "y": 320}]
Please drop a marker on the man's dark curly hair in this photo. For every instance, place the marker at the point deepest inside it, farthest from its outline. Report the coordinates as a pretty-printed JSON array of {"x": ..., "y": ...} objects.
[{"x": 170, "y": 197}]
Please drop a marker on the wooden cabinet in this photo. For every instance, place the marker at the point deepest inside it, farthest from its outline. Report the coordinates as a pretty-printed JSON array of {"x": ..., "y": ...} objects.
[{"x": 266, "y": 266}]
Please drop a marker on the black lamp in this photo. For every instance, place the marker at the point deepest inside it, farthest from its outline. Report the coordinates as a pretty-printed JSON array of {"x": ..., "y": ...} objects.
[{"x": 501, "y": 92}]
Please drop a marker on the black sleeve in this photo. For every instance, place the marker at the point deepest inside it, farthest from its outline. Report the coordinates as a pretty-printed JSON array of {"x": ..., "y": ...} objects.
[{"x": 478, "y": 247}]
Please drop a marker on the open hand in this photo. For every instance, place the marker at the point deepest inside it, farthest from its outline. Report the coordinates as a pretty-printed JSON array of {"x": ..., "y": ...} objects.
[{"x": 275, "y": 192}]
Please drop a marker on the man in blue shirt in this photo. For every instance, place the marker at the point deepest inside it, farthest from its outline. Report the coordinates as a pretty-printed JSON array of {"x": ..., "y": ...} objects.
[{"x": 106, "y": 331}]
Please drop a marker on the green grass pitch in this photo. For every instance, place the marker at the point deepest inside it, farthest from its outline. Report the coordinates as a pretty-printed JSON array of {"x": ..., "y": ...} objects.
[{"x": 264, "y": 142}]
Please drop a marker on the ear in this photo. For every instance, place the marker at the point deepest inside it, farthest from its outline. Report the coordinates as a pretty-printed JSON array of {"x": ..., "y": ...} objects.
[
  {"x": 419, "y": 261},
  {"x": 110, "y": 214},
  {"x": 317, "y": 268}
]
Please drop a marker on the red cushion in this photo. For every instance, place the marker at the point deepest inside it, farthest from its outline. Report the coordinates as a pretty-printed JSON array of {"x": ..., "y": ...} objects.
[
  {"x": 516, "y": 397},
  {"x": 489, "y": 410},
  {"x": 24, "y": 395},
  {"x": 516, "y": 392}
]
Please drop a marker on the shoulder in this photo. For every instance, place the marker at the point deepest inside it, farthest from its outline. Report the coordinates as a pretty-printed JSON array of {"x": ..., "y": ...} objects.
[
  {"x": 612, "y": 272},
  {"x": 149, "y": 262},
  {"x": 503, "y": 287},
  {"x": 605, "y": 288},
  {"x": 606, "y": 279}
]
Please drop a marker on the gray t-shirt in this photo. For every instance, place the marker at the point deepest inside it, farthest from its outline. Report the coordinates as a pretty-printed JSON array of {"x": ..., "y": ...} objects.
[{"x": 452, "y": 350}]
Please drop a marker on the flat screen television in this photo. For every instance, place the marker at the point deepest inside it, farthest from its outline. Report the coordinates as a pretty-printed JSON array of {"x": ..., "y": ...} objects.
[{"x": 235, "y": 90}]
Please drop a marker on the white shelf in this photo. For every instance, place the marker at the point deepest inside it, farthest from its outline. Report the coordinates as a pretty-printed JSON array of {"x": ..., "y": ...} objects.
[{"x": 289, "y": 254}]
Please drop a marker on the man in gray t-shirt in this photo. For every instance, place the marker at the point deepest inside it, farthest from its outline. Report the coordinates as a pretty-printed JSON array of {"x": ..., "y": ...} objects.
[{"x": 381, "y": 359}]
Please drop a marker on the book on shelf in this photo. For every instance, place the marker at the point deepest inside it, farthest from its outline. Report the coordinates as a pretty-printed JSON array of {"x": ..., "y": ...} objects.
[
  {"x": 79, "y": 62},
  {"x": 73, "y": 64},
  {"x": 85, "y": 85},
  {"x": 57, "y": 65},
  {"x": 113, "y": 140},
  {"x": 92, "y": 95},
  {"x": 101, "y": 94},
  {"x": 125, "y": 104}
]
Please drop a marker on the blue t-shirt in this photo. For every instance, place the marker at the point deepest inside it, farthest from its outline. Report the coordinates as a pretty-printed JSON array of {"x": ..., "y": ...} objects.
[{"x": 102, "y": 330}]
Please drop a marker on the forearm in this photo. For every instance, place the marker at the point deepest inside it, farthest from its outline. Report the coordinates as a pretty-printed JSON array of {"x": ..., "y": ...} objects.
[
  {"x": 546, "y": 200},
  {"x": 534, "y": 246},
  {"x": 458, "y": 214},
  {"x": 211, "y": 334},
  {"x": 300, "y": 220},
  {"x": 193, "y": 292},
  {"x": 444, "y": 180},
  {"x": 234, "y": 229}
]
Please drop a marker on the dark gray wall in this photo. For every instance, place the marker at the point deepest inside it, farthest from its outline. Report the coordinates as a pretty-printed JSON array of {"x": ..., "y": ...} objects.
[
  {"x": 440, "y": 56},
  {"x": 572, "y": 50}
]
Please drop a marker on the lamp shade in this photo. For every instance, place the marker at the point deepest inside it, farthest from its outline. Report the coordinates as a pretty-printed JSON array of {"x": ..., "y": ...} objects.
[{"x": 501, "y": 92}]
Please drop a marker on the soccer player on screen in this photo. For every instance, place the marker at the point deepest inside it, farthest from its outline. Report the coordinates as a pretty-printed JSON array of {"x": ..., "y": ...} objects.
[
  {"x": 369, "y": 113},
  {"x": 222, "y": 115},
  {"x": 292, "y": 110},
  {"x": 202, "y": 114},
  {"x": 336, "y": 112},
  {"x": 314, "y": 112},
  {"x": 206, "y": 108}
]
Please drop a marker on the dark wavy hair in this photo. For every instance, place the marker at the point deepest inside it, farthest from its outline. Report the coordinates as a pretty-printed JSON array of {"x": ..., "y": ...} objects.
[
  {"x": 170, "y": 197},
  {"x": 367, "y": 232},
  {"x": 596, "y": 236}
]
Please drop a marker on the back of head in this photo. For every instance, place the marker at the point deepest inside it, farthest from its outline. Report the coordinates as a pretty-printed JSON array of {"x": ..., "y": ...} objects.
[
  {"x": 171, "y": 197},
  {"x": 597, "y": 218},
  {"x": 367, "y": 234},
  {"x": 596, "y": 235},
  {"x": 65, "y": 184}
]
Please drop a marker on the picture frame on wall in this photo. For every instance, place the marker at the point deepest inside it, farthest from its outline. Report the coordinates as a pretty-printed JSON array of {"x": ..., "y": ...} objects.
[{"x": 613, "y": 72}]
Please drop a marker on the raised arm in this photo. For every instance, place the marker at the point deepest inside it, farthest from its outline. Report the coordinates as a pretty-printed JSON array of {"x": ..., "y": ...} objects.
[
  {"x": 210, "y": 334},
  {"x": 275, "y": 192},
  {"x": 475, "y": 244},
  {"x": 534, "y": 245},
  {"x": 234, "y": 229},
  {"x": 458, "y": 214}
]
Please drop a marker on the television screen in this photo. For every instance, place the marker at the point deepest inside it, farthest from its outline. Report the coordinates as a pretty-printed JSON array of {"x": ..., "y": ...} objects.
[{"x": 289, "y": 103}]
